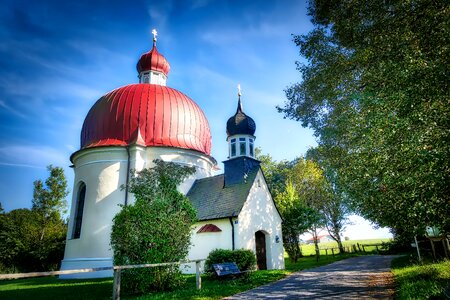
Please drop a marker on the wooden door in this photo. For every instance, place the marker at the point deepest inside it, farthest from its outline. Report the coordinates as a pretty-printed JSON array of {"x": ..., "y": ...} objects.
[{"x": 261, "y": 260}]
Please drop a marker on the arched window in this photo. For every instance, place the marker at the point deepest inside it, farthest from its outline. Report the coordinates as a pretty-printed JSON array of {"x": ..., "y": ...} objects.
[
  {"x": 79, "y": 212},
  {"x": 209, "y": 228}
]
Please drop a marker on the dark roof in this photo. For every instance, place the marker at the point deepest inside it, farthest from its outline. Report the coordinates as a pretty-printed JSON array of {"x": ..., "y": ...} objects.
[
  {"x": 240, "y": 123},
  {"x": 214, "y": 201},
  {"x": 236, "y": 168}
]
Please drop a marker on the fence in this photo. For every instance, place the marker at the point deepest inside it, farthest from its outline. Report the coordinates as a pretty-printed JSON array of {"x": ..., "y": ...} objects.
[
  {"x": 117, "y": 273},
  {"x": 352, "y": 248}
]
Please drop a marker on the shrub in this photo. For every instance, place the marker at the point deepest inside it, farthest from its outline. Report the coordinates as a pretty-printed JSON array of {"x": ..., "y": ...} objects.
[
  {"x": 244, "y": 259},
  {"x": 155, "y": 229}
]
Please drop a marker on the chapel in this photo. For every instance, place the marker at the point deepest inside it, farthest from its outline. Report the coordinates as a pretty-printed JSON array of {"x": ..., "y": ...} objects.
[{"x": 131, "y": 126}]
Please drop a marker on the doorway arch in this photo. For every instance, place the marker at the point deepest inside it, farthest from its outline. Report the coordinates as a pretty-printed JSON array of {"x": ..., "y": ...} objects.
[{"x": 261, "y": 251}]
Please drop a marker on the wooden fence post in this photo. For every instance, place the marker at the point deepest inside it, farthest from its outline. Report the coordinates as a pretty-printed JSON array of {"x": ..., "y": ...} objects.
[
  {"x": 198, "y": 278},
  {"x": 116, "y": 284}
]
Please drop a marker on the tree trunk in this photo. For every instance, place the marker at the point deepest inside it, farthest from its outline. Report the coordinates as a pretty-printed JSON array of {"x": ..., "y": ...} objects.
[
  {"x": 293, "y": 249},
  {"x": 334, "y": 232},
  {"x": 316, "y": 243},
  {"x": 341, "y": 247}
]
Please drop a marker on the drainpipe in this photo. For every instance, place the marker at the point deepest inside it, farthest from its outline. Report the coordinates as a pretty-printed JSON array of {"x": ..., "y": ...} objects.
[
  {"x": 128, "y": 174},
  {"x": 232, "y": 233}
]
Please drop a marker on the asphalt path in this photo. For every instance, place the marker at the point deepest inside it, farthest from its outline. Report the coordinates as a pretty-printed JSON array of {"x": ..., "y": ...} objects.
[{"x": 365, "y": 277}]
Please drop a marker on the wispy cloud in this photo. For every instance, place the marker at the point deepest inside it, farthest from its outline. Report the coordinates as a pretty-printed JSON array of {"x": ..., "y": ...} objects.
[
  {"x": 32, "y": 156},
  {"x": 159, "y": 12},
  {"x": 21, "y": 165},
  {"x": 12, "y": 110}
]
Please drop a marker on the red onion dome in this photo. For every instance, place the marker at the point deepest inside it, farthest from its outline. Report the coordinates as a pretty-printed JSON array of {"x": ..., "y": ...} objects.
[
  {"x": 146, "y": 115},
  {"x": 153, "y": 61}
]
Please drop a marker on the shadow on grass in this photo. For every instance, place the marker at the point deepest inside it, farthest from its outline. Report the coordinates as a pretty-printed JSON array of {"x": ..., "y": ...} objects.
[
  {"x": 212, "y": 288},
  {"x": 54, "y": 288}
]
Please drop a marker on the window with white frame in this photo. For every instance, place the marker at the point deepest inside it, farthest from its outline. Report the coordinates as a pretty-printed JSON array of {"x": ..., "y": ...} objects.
[
  {"x": 233, "y": 148},
  {"x": 242, "y": 146},
  {"x": 146, "y": 77}
]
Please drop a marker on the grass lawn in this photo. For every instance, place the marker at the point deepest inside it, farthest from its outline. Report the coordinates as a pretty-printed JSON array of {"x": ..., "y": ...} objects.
[
  {"x": 53, "y": 288},
  {"x": 421, "y": 281},
  {"x": 308, "y": 249}
]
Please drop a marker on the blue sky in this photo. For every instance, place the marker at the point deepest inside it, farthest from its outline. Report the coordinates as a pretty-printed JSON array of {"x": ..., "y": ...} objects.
[{"x": 58, "y": 57}]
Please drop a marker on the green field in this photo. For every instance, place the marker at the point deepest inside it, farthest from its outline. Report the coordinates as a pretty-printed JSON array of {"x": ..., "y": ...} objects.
[{"x": 308, "y": 249}]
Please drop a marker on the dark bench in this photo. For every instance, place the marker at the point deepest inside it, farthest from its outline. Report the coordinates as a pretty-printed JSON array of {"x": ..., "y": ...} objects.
[{"x": 227, "y": 269}]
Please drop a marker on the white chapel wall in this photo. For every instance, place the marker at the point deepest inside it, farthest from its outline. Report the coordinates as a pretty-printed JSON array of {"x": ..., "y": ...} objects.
[
  {"x": 260, "y": 213},
  {"x": 203, "y": 243},
  {"x": 104, "y": 171}
]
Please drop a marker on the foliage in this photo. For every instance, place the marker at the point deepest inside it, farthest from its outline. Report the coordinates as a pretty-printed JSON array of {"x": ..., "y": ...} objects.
[
  {"x": 275, "y": 172},
  {"x": 49, "y": 198},
  {"x": 334, "y": 205},
  {"x": 155, "y": 229},
  {"x": 375, "y": 91},
  {"x": 421, "y": 281},
  {"x": 34, "y": 240},
  {"x": 244, "y": 259},
  {"x": 297, "y": 219},
  {"x": 306, "y": 198}
]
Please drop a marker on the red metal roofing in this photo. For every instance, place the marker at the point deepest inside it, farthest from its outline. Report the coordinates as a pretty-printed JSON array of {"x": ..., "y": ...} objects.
[
  {"x": 209, "y": 228},
  {"x": 147, "y": 115},
  {"x": 153, "y": 60}
]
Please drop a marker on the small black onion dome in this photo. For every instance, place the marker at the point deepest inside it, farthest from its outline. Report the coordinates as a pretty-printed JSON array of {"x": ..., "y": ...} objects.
[{"x": 240, "y": 123}]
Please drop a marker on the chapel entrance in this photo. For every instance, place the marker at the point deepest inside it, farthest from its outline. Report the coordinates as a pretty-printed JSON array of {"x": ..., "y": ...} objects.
[{"x": 261, "y": 260}]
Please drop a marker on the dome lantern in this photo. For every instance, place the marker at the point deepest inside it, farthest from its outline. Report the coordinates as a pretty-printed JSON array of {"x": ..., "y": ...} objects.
[
  {"x": 152, "y": 66},
  {"x": 240, "y": 132}
]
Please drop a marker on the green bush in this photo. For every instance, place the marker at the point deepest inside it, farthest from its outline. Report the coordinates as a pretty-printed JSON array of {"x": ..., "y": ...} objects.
[
  {"x": 244, "y": 259},
  {"x": 155, "y": 229}
]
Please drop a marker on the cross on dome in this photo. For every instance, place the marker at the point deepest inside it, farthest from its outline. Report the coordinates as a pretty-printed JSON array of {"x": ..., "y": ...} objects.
[
  {"x": 239, "y": 89},
  {"x": 155, "y": 34}
]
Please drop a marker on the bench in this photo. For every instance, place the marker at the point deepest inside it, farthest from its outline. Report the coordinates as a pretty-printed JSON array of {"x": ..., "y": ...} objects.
[{"x": 227, "y": 269}]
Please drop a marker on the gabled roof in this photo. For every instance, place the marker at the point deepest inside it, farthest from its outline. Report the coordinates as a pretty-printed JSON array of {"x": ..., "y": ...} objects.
[{"x": 214, "y": 201}]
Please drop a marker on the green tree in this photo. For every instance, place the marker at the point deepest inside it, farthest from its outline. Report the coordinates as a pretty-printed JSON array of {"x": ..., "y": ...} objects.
[
  {"x": 49, "y": 205},
  {"x": 308, "y": 188},
  {"x": 34, "y": 240},
  {"x": 155, "y": 229},
  {"x": 275, "y": 172},
  {"x": 313, "y": 189},
  {"x": 375, "y": 91},
  {"x": 49, "y": 198},
  {"x": 18, "y": 241},
  {"x": 297, "y": 219},
  {"x": 334, "y": 205}
]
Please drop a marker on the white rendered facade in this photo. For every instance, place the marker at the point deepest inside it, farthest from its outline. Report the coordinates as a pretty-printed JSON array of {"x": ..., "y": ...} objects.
[
  {"x": 104, "y": 170},
  {"x": 258, "y": 214}
]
